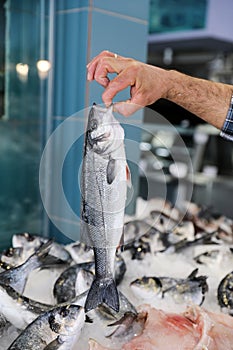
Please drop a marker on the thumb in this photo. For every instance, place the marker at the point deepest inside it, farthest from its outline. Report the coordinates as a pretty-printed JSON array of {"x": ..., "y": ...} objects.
[{"x": 126, "y": 108}]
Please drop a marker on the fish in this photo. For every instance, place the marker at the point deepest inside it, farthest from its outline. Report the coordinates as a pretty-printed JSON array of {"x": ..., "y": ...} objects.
[
  {"x": 107, "y": 314},
  {"x": 80, "y": 252},
  {"x": 65, "y": 286},
  {"x": 208, "y": 257},
  {"x": 11, "y": 257},
  {"x": 4, "y": 324},
  {"x": 163, "y": 221},
  {"x": 17, "y": 277},
  {"x": 190, "y": 289},
  {"x": 135, "y": 229},
  {"x": 77, "y": 277},
  {"x": 30, "y": 243},
  {"x": 194, "y": 329},
  {"x": 19, "y": 310},
  {"x": 129, "y": 326},
  {"x": 84, "y": 281},
  {"x": 55, "y": 329},
  {"x": 164, "y": 331},
  {"x": 105, "y": 174},
  {"x": 139, "y": 248},
  {"x": 225, "y": 294}
]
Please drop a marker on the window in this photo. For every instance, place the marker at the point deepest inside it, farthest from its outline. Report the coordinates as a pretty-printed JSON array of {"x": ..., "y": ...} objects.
[{"x": 177, "y": 15}]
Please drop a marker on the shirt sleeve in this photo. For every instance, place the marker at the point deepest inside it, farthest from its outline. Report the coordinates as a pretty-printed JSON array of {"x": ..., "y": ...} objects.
[{"x": 227, "y": 129}]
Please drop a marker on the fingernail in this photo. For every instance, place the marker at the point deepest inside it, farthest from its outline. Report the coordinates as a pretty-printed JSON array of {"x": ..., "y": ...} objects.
[{"x": 88, "y": 76}]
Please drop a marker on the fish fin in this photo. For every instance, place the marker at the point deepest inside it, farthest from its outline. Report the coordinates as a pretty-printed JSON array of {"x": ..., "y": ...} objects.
[
  {"x": 44, "y": 249},
  {"x": 193, "y": 274},
  {"x": 50, "y": 261},
  {"x": 102, "y": 291},
  {"x": 88, "y": 319},
  {"x": 111, "y": 170},
  {"x": 121, "y": 244},
  {"x": 128, "y": 176}
]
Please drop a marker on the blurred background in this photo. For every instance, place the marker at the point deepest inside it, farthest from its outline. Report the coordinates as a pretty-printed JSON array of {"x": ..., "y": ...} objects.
[{"x": 44, "y": 48}]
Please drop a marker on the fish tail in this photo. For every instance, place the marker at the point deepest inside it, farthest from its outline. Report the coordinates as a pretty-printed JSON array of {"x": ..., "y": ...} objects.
[{"x": 102, "y": 291}]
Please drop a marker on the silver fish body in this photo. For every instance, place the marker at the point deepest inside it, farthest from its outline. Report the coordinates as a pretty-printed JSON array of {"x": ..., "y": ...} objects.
[
  {"x": 129, "y": 326},
  {"x": 135, "y": 229},
  {"x": 65, "y": 287},
  {"x": 20, "y": 311},
  {"x": 57, "y": 327},
  {"x": 190, "y": 289},
  {"x": 4, "y": 324},
  {"x": 76, "y": 279},
  {"x": 225, "y": 295},
  {"x": 104, "y": 190},
  {"x": 30, "y": 243},
  {"x": 17, "y": 276},
  {"x": 208, "y": 257}
]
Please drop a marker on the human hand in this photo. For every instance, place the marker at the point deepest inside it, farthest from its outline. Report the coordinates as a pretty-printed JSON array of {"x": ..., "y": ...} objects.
[{"x": 147, "y": 83}]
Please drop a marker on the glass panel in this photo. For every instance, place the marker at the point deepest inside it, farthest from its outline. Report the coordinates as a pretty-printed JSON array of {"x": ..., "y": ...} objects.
[
  {"x": 2, "y": 56},
  {"x": 177, "y": 15},
  {"x": 21, "y": 124}
]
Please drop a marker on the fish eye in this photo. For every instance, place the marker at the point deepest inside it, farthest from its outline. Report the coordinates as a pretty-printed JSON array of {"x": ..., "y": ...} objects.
[
  {"x": 64, "y": 312},
  {"x": 93, "y": 124},
  {"x": 144, "y": 279},
  {"x": 138, "y": 282},
  {"x": 30, "y": 238},
  {"x": 9, "y": 253},
  {"x": 55, "y": 326}
]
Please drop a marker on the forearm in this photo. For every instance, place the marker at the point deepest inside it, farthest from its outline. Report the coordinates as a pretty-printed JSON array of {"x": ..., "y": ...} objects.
[{"x": 206, "y": 99}]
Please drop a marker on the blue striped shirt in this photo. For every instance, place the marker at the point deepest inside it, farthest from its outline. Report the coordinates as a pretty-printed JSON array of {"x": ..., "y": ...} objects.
[{"x": 227, "y": 129}]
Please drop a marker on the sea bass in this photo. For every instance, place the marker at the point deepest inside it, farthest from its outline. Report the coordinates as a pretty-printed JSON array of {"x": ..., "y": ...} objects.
[
  {"x": 104, "y": 188},
  {"x": 55, "y": 329},
  {"x": 30, "y": 243},
  {"x": 182, "y": 290}
]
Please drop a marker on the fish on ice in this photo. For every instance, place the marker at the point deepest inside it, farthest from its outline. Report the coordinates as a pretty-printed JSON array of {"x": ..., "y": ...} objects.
[{"x": 55, "y": 329}]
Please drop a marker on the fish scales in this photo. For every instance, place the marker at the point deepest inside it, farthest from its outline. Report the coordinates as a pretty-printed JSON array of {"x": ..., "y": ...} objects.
[
  {"x": 55, "y": 329},
  {"x": 104, "y": 189}
]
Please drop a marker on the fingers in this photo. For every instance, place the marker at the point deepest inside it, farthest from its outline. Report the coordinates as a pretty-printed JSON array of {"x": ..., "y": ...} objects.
[
  {"x": 119, "y": 83},
  {"x": 91, "y": 67},
  {"x": 108, "y": 62},
  {"x": 126, "y": 108}
]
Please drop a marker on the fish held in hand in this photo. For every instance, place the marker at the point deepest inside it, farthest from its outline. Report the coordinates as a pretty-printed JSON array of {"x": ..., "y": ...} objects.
[{"x": 104, "y": 189}]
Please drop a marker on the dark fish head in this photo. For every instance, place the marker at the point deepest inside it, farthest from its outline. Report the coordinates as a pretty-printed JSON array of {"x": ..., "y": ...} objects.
[
  {"x": 104, "y": 133},
  {"x": 11, "y": 255},
  {"x": 27, "y": 240},
  {"x": 146, "y": 287},
  {"x": 67, "y": 320}
]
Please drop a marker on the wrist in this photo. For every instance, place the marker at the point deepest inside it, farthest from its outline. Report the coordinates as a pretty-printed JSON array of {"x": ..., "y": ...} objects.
[{"x": 174, "y": 84}]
